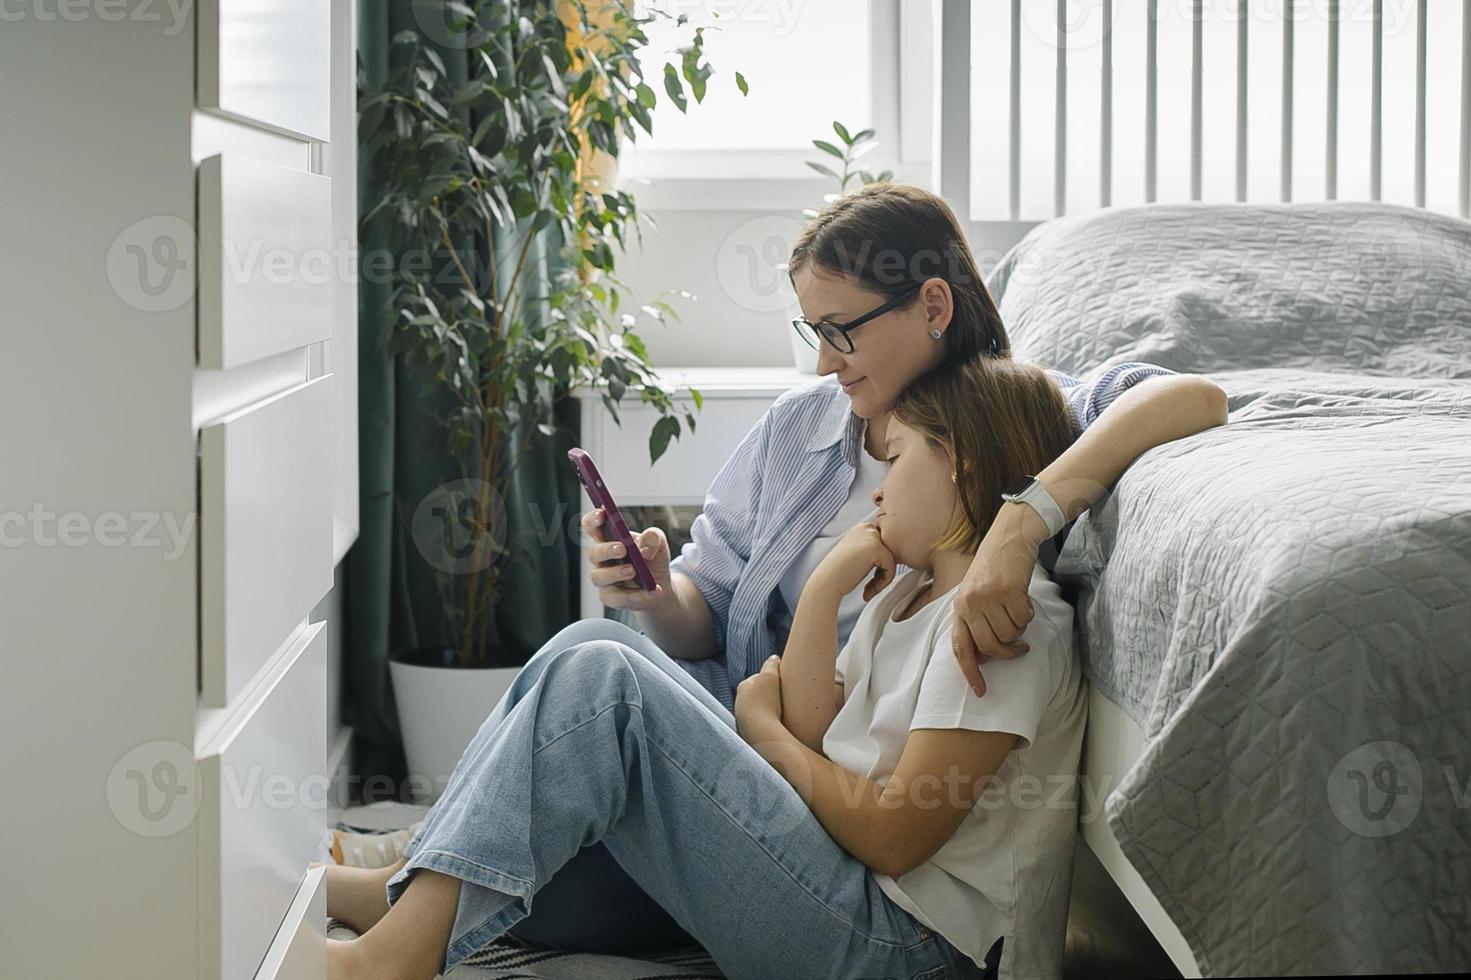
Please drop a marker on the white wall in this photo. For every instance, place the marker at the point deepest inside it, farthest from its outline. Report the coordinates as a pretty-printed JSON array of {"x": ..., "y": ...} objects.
[{"x": 739, "y": 315}]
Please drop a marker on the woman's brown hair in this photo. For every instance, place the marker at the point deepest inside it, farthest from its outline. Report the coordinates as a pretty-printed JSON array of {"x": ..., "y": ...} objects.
[
  {"x": 889, "y": 236},
  {"x": 997, "y": 420}
]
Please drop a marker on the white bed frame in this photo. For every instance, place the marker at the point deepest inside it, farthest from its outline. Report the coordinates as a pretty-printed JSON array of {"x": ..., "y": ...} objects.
[{"x": 1111, "y": 746}]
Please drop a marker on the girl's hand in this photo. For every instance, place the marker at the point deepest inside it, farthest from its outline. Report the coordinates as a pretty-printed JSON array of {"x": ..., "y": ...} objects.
[
  {"x": 613, "y": 576},
  {"x": 758, "y": 700},
  {"x": 992, "y": 608},
  {"x": 857, "y": 553}
]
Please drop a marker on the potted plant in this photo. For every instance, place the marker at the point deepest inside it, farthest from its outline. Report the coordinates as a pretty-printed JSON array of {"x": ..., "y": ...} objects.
[
  {"x": 854, "y": 146},
  {"x": 480, "y": 173}
]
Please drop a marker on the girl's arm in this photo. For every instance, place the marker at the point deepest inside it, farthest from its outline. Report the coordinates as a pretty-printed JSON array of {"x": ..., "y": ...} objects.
[
  {"x": 809, "y": 690},
  {"x": 991, "y": 607},
  {"x": 809, "y": 666},
  {"x": 895, "y": 827}
]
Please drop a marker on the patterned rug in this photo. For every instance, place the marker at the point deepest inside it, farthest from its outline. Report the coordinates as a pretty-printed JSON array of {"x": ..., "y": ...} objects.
[{"x": 508, "y": 956}]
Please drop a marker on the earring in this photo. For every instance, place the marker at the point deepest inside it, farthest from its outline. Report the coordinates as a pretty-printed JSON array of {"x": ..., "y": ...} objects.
[
  {"x": 935, "y": 333},
  {"x": 952, "y": 476}
]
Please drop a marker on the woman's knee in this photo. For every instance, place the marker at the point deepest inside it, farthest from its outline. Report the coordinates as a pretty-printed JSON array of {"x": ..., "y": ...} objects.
[
  {"x": 595, "y": 666},
  {"x": 587, "y": 629}
]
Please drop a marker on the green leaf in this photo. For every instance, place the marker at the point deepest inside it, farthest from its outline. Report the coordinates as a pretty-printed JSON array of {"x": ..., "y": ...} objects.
[
  {"x": 823, "y": 170},
  {"x": 489, "y": 63},
  {"x": 672, "y": 86},
  {"x": 694, "y": 73},
  {"x": 842, "y": 132},
  {"x": 741, "y": 84},
  {"x": 435, "y": 60},
  {"x": 455, "y": 6},
  {"x": 664, "y": 429},
  {"x": 827, "y": 147},
  {"x": 862, "y": 135},
  {"x": 583, "y": 83},
  {"x": 554, "y": 76},
  {"x": 699, "y": 399},
  {"x": 433, "y": 105},
  {"x": 483, "y": 130},
  {"x": 612, "y": 407},
  {"x": 645, "y": 95}
]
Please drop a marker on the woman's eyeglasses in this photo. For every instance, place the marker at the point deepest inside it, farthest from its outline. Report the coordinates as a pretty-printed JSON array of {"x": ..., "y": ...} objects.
[{"x": 837, "y": 333}]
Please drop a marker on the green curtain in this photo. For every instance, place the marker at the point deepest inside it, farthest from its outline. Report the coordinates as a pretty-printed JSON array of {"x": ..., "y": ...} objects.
[{"x": 391, "y": 600}]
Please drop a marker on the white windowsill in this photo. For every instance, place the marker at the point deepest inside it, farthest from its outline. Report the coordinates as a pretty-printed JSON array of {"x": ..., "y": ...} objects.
[{"x": 758, "y": 189}]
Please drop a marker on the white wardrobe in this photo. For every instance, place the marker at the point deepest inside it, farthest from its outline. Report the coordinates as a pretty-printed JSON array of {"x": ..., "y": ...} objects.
[{"x": 178, "y": 314}]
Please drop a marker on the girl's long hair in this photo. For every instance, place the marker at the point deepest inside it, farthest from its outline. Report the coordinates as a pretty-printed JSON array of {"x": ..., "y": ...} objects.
[
  {"x": 997, "y": 420},
  {"x": 887, "y": 236}
]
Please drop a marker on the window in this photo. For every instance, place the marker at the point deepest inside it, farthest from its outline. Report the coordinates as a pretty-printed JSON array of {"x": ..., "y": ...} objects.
[
  {"x": 1244, "y": 104},
  {"x": 807, "y": 63}
]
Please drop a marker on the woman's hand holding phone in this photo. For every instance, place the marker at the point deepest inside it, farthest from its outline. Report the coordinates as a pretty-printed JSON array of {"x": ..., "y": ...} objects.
[{"x": 613, "y": 576}]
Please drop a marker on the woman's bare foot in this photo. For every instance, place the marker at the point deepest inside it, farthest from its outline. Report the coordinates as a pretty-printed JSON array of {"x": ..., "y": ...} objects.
[
  {"x": 356, "y": 896},
  {"x": 410, "y": 941}
]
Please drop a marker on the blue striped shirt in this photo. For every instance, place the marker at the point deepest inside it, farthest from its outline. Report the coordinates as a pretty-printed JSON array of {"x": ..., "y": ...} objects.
[{"x": 783, "y": 484}]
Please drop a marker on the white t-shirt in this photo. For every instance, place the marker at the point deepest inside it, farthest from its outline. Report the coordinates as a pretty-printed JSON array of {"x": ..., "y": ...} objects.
[
  {"x": 858, "y": 508},
  {"x": 1007, "y": 870}
]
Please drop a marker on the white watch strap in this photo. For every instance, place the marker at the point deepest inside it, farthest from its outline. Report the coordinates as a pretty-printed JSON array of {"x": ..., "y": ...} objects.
[{"x": 1037, "y": 497}]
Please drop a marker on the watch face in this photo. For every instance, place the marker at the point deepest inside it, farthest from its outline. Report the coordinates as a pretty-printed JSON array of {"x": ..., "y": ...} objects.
[{"x": 1017, "y": 486}]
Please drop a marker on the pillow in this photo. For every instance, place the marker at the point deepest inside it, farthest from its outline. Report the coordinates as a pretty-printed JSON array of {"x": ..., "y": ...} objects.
[{"x": 1348, "y": 287}]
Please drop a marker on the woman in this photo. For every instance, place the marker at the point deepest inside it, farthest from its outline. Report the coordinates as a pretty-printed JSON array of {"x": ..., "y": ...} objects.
[
  {"x": 886, "y": 278},
  {"x": 777, "y": 507}
]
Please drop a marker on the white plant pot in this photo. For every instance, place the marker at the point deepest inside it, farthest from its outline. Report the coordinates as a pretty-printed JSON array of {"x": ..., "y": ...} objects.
[
  {"x": 439, "y": 711},
  {"x": 804, "y": 358}
]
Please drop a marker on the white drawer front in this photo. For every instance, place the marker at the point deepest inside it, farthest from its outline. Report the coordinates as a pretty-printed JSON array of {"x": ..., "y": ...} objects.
[
  {"x": 265, "y": 260},
  {"x": 299, "y": 950},
  {"x": 263, "y": 812},
  {"x": 266, "y": 486},
  {"x": 687, "y": 468},
  {"x": 267, "y": 61}
]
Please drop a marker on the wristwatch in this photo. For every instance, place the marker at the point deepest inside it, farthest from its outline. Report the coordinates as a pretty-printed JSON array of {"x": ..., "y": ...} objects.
[{"x": 1029, "y": 490}]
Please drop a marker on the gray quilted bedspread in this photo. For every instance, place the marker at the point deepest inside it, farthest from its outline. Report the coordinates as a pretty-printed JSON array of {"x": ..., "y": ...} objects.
[{"x": 1283, "y": 603}]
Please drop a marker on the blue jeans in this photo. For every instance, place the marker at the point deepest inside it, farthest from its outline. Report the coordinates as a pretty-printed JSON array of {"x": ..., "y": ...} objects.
[{"x": 604, "y": 747}]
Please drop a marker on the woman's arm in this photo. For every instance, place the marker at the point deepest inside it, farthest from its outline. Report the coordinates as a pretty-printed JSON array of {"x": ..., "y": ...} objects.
[
  {"x": 682, "y": 625},
  {"x": 991, "y": 606},
  {"x": 691, "y": 623},
  {"x": 1158, "y": 410}
]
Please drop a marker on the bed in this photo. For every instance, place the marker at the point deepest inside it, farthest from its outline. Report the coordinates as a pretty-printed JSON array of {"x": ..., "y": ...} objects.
[{"x": 1274, "y": 614}]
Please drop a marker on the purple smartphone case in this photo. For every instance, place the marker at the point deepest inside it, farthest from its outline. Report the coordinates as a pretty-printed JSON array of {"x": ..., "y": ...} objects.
[{"x": 592, "y": 482}]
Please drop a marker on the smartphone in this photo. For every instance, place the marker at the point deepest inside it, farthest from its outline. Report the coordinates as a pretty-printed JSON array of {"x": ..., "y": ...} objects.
[{"x": 613, "y": 521}]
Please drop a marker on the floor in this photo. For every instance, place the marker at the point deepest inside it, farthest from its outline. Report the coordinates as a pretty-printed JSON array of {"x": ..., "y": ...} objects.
[{"x": 1106, "y": 938}]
